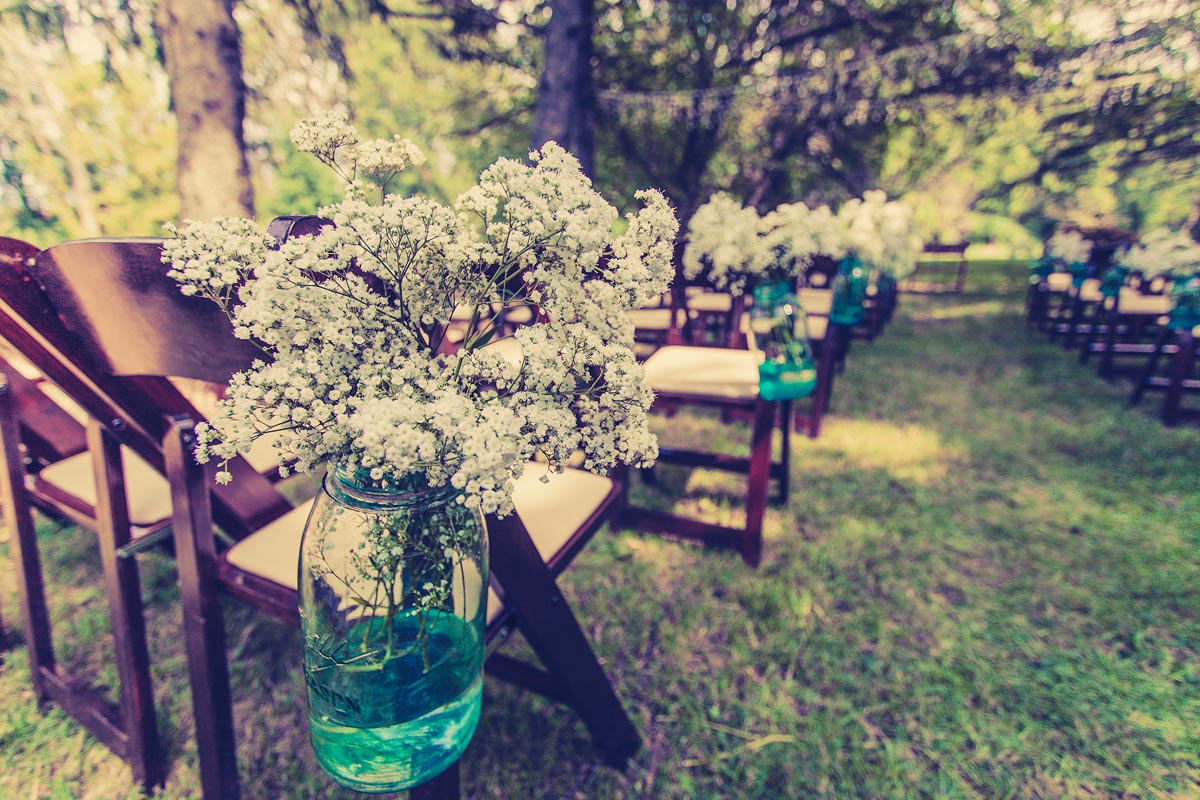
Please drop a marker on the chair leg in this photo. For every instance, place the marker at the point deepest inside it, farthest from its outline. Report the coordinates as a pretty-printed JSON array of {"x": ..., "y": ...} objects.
[
  {"x": 825, "y": 376},
  {"x": 30, "y": 587},
  {"x": 786, "y": 415},
  {"x": 758, "y": 481},
  {"x": 1105, "y": 367},
  {"x": 1143, "y": 380},
  {"x": 1181, "y": 370},
  {"x": 144, "y": 751},
  {"x": 553, "y": 633},
  {"x": 203, "y": 624}
]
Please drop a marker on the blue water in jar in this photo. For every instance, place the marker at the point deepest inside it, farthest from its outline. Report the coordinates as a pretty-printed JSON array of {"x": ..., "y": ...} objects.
[{"x": 396, "y": 724}]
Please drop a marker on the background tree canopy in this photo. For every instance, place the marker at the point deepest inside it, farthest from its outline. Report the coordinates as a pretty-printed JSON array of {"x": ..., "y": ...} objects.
[{"x": 996, "y": 120}]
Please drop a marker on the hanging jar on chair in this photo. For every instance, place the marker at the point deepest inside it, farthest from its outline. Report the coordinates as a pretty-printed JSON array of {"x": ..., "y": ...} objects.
[
  {"x": 780, "y": 330},
  {"x": 393, "y": 598}
]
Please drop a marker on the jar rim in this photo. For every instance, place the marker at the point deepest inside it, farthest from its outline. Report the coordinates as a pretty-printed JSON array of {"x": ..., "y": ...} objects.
[{"x": 355, "y": 486}]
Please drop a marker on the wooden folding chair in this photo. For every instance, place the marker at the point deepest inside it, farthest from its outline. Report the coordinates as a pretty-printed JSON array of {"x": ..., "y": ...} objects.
[
  {"x": 43, "y": 463},
  {"x": 1048, "y": 302},
  {"x": 132, "y": 328},
  {"x": 1171, "y": 369},
  {"x": 726, "y": 378},
  {"x": 945, "y": 272},
  {"x": 1182, "y": 378},
  {"x": 1082, "y": 313},
  {"x": 1132, "y": 326}
]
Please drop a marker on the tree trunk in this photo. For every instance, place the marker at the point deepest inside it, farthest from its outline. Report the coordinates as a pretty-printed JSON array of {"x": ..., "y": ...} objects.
[
  {"x": 204, "y": 66},
  {"x": 566, "y": 98}
]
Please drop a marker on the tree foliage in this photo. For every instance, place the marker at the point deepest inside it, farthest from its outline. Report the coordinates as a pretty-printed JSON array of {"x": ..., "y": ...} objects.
[
  {"x": 776, "y": 99},
  {"x": 81, "y": 101},
  {"x": 987, "y": 116}
]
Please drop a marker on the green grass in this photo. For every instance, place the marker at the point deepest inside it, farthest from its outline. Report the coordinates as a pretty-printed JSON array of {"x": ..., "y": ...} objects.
[{"x": 986, "y": 585}]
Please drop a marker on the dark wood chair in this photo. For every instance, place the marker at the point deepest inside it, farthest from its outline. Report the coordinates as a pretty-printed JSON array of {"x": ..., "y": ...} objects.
[
  {"x": 1170, "y": 368},
  {"x": 946, "y": 271},
  {"x": 726, "y": 378},
  {"x": 1182, "y": 378},
  {"x": 1049, "y": 302},
  {"x": 119, "y": 323},
  {"x": 1081, "y": 313},
  {"x": 43, "y": 464},
  {"x": 1129, "y": 332}
]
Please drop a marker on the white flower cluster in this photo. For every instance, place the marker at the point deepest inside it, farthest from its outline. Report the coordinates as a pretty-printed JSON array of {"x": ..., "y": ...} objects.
[
  {"x": 724, "y": 243},
  {"x": 353, "y": 322},
  {"x": 880, "y": 232},
  {"x": 1163, "y": 250},
  {"x": 1069, "y": 248},
  {"x": 734, "y": 247}
]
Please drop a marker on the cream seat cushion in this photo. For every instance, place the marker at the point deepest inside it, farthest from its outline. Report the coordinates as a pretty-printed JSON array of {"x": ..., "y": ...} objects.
[
  {"x": 710, "y": 302},
  {"x": 1089, "y": 291},
  {"x": 653, "y": 319},
  {"x": 643, "y": 350},
  {"x": 1132, "y": 302},
  {"x": 507, "y": 348},
  {"x": 816, "y": 301},
  {"x": 1058, "y": 281},
  {"x": 817, "y": 326},
  {"x": 551, "y": 511},
  {"x": 707, "y": 371},
  {"x": 146, "y": 490}
]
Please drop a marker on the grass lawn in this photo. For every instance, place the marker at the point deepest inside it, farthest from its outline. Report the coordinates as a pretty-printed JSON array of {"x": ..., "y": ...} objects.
[{"x": 987, "y": 585}]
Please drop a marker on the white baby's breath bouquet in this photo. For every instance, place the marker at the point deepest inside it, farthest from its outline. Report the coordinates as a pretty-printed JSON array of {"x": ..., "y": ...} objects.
[
  {"x": 1068, "y": 248},
  {"x": 737, "y": 249},
  {"x": 353, "y": 322},
  {"x": 725, "y": 244},
  {"x": 880, "y": 232},
  {"x": 1163, "y": 250},
  {"x": 795, "y": 234}
]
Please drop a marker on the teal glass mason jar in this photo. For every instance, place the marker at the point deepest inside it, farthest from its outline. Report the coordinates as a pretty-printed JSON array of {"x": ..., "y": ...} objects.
[
  {"x": 393, "y": 602},
  {"x": 1040, "y": 269},
  {"x": 1185, "y": 303},
  {"x": 849, "y": 292},
  {"x": 780, "y": 331},
  {"x": 1113, "y": 280},
  {"x": 1079, "y": 273}
]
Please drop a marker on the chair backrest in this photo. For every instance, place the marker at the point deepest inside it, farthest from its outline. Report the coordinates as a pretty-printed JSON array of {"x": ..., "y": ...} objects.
[
  {"x": 48, "y": 432},
  {"x": 103, "y": 320}
]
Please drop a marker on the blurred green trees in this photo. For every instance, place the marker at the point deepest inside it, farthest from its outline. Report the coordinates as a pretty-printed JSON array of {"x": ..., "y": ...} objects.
[{"x": 996, "y": 120}]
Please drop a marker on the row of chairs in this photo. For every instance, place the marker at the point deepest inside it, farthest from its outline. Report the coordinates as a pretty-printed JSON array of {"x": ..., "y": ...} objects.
[
  {"x": 97, "y": 429},
  {"x": 111, "y": 368},
  {"x": 1129, "y": 330}
]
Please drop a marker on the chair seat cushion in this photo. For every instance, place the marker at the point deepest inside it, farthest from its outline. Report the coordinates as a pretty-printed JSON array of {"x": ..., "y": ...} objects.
[
  {"x": 710, "y": 302},
  {"x": 1058, "y": 281},
  {"x": 1089, "y": 291},
  {"x": 146, "y": 490},
  {"x": 508, "y": 348},
  {"x": 653, "y": 319},
  {"x": 705, "y": 371},
  {"x": 1148, "y": 304},
  {"x": 817, "y": 327},
  {"x": 816, "y": 301},
  {"x": 551, "y": 511}
]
